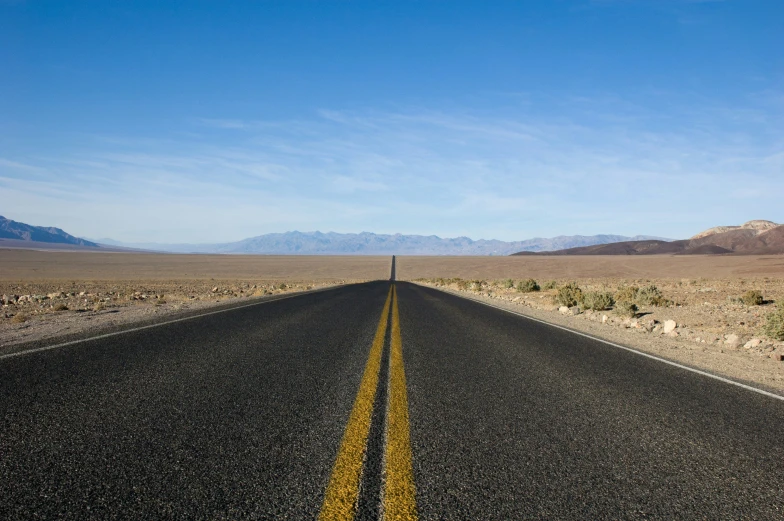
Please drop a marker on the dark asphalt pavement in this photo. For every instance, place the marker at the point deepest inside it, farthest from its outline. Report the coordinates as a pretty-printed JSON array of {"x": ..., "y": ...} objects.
[{"x": 240, "y": 415}]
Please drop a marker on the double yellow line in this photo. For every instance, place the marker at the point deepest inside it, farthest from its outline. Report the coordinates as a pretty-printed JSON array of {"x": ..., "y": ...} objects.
[{"x": 398, "y": 502}]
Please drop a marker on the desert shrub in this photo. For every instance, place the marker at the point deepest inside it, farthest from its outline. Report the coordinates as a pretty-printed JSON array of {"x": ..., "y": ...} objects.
[
  {"x": 645, "y": 296},
  {"x": 550, "y": 284},
  {"x": 752, "y": 298},
  {"x": 476, "y": 285},
  {"x": 774, "y": 327},
  {"x": 598, "y": 300},
  {"x": 527, "y": 286},
  {"x": 282, "y": 285},
  {"x": 61, "y": 307},
  {"x": 625, "y": 308},
  {"x": 508, "y": 284},
  {"x": 98, "y": 306},
  {"x": 461, "y": 284},
  {"x": 651, "y": 296},
  {"x": 626, "y": 294},
  {"x": 19, "y": 318},
  {"x": 569, "y": 295}
]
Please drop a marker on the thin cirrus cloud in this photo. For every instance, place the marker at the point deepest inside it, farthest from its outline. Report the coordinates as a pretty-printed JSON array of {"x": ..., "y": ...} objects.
[{"x": 590, "y": 165}]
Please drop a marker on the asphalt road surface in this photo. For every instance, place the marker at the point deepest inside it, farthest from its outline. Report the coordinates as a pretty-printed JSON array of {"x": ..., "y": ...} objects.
[{"x": 365, "y": 401}]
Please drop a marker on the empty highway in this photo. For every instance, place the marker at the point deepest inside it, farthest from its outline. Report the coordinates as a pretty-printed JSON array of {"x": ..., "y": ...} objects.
[{"x": 383, "y": 399}]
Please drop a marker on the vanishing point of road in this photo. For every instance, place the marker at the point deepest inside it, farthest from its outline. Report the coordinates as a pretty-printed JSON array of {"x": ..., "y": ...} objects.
[{"x": 378, "y": 400}]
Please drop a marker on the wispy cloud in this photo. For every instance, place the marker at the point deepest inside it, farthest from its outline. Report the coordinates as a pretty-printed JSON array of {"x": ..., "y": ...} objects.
[{"x": 592, "y": 165}]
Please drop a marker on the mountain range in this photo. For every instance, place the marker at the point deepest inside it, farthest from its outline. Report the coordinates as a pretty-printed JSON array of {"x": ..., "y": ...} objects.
[
  {"x": 754, "y": 237},
  {"x": 366, "y": 243},
  {"x": 17, "y": 231},
  {"x": 751, "y": 238}
]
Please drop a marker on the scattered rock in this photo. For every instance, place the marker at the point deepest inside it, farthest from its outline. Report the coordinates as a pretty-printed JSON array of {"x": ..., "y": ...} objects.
[
  {"x": 563, "y": 309},
  {"x": 604, "y": 319},
  {"x": 669, "y": 326},
  {"x": 731, "y": 340},
  {"x": 754, "y": 342}
]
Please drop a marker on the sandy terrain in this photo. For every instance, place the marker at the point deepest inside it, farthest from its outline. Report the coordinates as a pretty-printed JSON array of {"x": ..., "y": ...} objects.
[
  {"x": 580, "y": 267},
  {"x": 49, "y": 294},
  {"x": 32, "y": 265}
]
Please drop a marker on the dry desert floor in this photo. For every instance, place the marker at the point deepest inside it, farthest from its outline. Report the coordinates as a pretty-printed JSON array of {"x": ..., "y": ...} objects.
[{"x": 50, "y": 294}]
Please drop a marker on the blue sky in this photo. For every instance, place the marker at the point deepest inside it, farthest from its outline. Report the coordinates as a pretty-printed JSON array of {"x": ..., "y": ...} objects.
[{"x": 215, "y": 121}]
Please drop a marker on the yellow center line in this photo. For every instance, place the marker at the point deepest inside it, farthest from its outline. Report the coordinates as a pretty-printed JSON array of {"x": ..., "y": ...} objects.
[
  {"x": 399, "y": 502},
  {"x": 343, "y": 490}
]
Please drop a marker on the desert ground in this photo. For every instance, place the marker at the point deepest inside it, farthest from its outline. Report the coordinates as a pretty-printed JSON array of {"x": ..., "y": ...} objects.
[
  {"x": 594, "y": 266},
  {"x": 49, "y": 294},
  {"x": 33, "y": 265},
  {"x": 701, "y": 320}
]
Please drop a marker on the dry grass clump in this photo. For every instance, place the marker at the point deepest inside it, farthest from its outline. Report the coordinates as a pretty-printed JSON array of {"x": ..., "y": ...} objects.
[
  {"x": 98, "y": 306},
  {"x": 626, "y": 294},
  {"x": 651, "y": 296},
  {"x": 550, "y": 284},
  {"x": 646, "y": 296},
  {"x": 527, "y": 286},
  {"x": 598, "y": 300},
  {"x": 61, "y": 307},
  {"x": 625, "y": 308},
  {"x": 774, "y": 327},
  {"x": 752, "y": 298},
  {"x": 507, "y": 284},
  {"x": 569, "y": 295},
  {"x": 19, "y": 318}
]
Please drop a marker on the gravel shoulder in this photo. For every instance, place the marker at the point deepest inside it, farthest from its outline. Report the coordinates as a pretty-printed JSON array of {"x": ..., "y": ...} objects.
[{"x": 710, "y": 333}]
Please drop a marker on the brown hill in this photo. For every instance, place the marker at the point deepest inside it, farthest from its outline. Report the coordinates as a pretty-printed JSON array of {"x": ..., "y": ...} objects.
[{"x": 752, "y": 238}]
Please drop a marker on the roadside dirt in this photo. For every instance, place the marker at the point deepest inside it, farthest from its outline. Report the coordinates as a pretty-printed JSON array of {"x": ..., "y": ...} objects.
[
  {"x": 46, "y": 310},
  {"x": 47, "y": 294}
]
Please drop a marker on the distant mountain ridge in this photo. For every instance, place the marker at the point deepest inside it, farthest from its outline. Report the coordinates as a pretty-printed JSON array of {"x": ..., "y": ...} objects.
[
  {"x": 367, "y": 243},
  {"x": 24, "y": 232},
  {"x": 752, "y": 238}
]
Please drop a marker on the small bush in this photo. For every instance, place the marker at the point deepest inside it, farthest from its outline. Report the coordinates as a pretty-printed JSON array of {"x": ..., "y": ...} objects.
[
  {"x": 646, "y": 296},
  {"x": 598, "y": 300},
  {"x": 774, "y": 327},
  {"x": 508, "y": 284},
  {"x": 19, "y": 318},
  {"x": 569, "y": 295},
  {"x": 98, "y": 306},
  {"x": 61, "y": 307},
  {"x": 627, "y": 294},
  {"x": 476, "y": 285},
  {"x": 752, "y": 298},
  {"x": 550, "y": 284},
  {"x": 626, "y": 309},
  {"x": 527, "y": 286},
  {"x": 461, "y": 284},
  {"x": 651, "y": 296}
]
